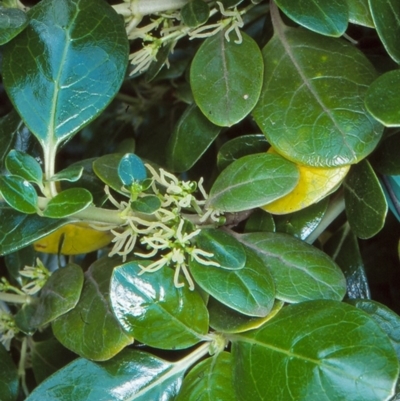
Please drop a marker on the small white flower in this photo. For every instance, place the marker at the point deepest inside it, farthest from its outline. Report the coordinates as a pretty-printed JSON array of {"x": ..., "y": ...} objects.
[
  {"x": 38, "y": 275},
  {"x": 8, "y": 329}
]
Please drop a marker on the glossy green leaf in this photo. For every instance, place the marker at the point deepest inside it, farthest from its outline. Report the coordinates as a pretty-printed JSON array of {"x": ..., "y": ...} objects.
[
  {"x": 382, "y": 99},
  {"x": 131, "y": 169},
  {"x": 9, "y": 125},
  {"x": 19, "y": 193},
  {"x": 317, "y": 350},
  {"x": 195, "y": 13},
  {"x": 226, "y": 250},
  {"x": 343, "y": 248},
  {"x": 192, "y": 136},
  {"x": 226, "y": 78},
  {"x": 391, "y": 189},
  {"x": 249, "y": 290},
  {"x": 24, "y": 165},
  {"x": 259, "y": 221},
  {"x": 359, "y": 13},
  {"x": 68, "y": 202},
  {"x": 8, "y": 376},
  {"x": 72, "y": 173},
  {"x": 12, "y": 22},
  {"x": 227, "y": 320},
  {"x": 147, "y": 204},
  {"x": 386, "y": 16},
  {"x": 19, "y": 230},
  {"x": 140, "y": 301},
  {"x": 48, "y": 356},
  {"x": 302, "y": 223},
  {"x": 366, "y": 206},
  {"x": 66, "y": 66},
  {"x": 209, "y": 380},
  {"x": 106, "y": 168},
  {"x": 301, "y": 271},
  {"x": 326, "y": 17},
  {"x": 253, "y": 181},
  {"x": 130, "y": 376},
  {"x": 387, "y": 320},
  {"x": 241, "y": 146},
  {"x": 297, "y": 112},
  {"x": 90, "y": 329},
  {"x": 59, "y": 295}
]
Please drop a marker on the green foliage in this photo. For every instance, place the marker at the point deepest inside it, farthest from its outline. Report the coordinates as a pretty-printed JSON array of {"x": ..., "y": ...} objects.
[{"x": 147, "y": 152}]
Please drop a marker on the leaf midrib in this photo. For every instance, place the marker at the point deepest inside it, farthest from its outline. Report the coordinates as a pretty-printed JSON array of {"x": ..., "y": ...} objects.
[{"x": 54, "y": 102}]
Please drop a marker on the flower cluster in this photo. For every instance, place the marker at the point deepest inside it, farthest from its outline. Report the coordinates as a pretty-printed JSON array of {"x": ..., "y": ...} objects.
[
  {"x": 168, "y": 28},
  {"x": 167, "y": 233}
]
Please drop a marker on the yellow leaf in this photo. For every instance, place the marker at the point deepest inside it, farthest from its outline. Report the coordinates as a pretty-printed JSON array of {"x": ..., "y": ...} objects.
[
  {"x": 73, "y": 239},
  {"x": 315, "y": 183}
]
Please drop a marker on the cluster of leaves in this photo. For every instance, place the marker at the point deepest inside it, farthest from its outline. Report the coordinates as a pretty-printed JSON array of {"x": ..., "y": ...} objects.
[{"x": 237, "y": 277}]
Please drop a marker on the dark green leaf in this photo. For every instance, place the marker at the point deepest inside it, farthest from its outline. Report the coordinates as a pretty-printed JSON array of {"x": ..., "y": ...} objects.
[
  {"x": 131, "y": 169},
  {"x": 72, "y": 173},
  {"x": 209, "y": 380},
  {"x": 385, "y": 159},
  {"x": 241, "y": 146},
  {"x": 12, "y": 22},
  {"x": 250, "y": 290},
  {"x": 17, "y": 260},
  {"x": 147, "y": 204},
  {"x": 359, "y": 13},
  {"x": 383, "y": 98},
  {"x": 9, "y": 125},
  {"x": 59, "y": 295},
  {"x": 195, "y": 13},
  {"x": 130, "y": 376},
  {"x": 19, "y": 194},
  {"x": 302, "y": 223},
  {"x": 106, "y": 168},
  {"x": 317, "y": 350},
  {"x": 253, "y": 181},
  {"x": 297, "y": 112},
  {"x": 326, "y": 17},
  {"x": 259, "y": 221},
  {"x": 192, "y": 136},
  {"x": 66, "y": 66},
  {"x": 366, "y": 206},
  {"x": 19, "y": 230},
  {"x": 88, "y": 180},
  {"x": 23, "y": 319},
  {"x": 226, "y": 78},
  {"x": 227, "y": 320},
  {"x": 90, "y": 329},
  {"x": 301, "y": 271},
  {"x": 387, "y": 320},
  {"x": 386, "y": 16},
  {"x": 48, "y": 356},
  {"x": 227, "y": 251},
  {"x": 141, "y": 301},
  {"x": 24, "y": 165},
  {"x": 8, "y": 376},
  {"x": 68, "y": 202},
  {"x": 343, "y": 248},
  {"x": 157, "y": 65}
]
